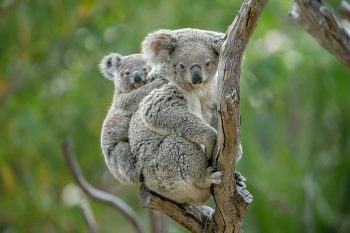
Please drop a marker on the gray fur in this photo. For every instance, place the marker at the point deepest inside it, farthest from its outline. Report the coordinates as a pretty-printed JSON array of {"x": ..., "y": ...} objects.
[
  {"x": 173, "y": 123},
  {"x": 114, "y": 136}
]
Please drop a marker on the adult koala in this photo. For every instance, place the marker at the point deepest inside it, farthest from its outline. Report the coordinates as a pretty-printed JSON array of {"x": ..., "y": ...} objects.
[
  {"x": 133, "y": 82},
  {"x": 173, "y": 123}
]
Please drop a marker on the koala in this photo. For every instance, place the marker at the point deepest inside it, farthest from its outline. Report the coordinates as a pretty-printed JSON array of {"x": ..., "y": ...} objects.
[
  {"x": 132, "y": 83},
  {"x": 172, "y": 132}
]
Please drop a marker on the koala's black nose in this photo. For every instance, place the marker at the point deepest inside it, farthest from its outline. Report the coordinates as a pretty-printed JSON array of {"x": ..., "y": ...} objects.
[
  {"x": 196, "y": 74},
  {"x": 137, "y": 76}
]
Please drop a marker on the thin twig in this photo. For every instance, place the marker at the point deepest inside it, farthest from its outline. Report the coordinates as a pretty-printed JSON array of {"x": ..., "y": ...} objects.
[
  {"x": 88, "y": 216},
  {"x": 96, "y": 194}
]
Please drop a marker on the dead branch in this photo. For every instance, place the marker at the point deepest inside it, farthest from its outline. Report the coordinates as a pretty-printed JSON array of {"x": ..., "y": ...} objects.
[
  {"x": 320, "y": 22},
  {"x": 96, "y": 194}
]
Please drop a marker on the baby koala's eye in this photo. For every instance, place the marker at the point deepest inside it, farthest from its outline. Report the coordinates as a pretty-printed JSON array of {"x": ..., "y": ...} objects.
[
  {"x": 207, "y": 64},
  {"x": 144, "y": 69},
  {"x": 182, "y": 66},
  {"x": 127, "y": 72}
]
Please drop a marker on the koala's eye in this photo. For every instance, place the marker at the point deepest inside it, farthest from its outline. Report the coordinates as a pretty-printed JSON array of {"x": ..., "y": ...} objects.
[
  {"x": 127, "y": 72},
  {"x": 207, "y": 64},
  {"x": 182, "y": 66},
  {"x": 144, "y": 69}
]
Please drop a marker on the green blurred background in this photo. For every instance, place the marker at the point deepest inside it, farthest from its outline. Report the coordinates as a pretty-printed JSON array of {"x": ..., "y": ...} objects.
[{"x": 295, "y": 109}]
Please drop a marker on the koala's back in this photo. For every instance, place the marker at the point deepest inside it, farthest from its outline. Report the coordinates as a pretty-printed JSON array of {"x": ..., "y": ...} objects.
[{"x": 115, "y": 129}]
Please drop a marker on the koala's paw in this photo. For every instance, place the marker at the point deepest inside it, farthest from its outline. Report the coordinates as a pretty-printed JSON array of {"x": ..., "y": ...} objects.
[
  {"x": 240, "y": 180},
  {"x": 241, "y": 188},
  {"x": 215, "y": 177}
]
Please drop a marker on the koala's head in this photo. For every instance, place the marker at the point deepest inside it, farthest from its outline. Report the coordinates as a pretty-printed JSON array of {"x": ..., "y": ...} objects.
[
  {"x": 128, "y": 72},
  {"x": 190, "y": 56}
]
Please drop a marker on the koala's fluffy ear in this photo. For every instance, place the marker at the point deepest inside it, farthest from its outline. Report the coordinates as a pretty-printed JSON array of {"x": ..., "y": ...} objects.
[
  {"x": 110, "y": 64},
  {"x": 218, "y": 39},
  {"x": 158, "y": 45}
]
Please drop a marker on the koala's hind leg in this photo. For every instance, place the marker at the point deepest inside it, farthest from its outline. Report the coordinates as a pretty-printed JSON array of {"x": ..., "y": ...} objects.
[
  {"x": 123, "y": 164},
  {"x": 209, "y": 178}
]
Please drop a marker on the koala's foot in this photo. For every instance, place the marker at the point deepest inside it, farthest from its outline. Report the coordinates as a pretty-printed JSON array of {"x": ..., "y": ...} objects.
[
  {"x": 245, "y": 194},
  {"x": 206, "y": 210},
  {"x": 241, "y": 188}
]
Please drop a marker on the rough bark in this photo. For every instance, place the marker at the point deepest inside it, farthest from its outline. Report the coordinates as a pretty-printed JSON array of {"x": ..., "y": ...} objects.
[
  {"x": 320, "y": 22},
  {"x": 231, "y": 205}
]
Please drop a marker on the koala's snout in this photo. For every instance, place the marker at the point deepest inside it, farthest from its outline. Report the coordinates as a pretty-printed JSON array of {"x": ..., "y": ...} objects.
[
  {"x": 137, "y": 76},
  {"x": 196, "y": 74}
]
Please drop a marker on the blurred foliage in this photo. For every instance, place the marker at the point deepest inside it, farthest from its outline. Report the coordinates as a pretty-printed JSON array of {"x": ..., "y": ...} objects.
[{"x": 294, "y": 104}]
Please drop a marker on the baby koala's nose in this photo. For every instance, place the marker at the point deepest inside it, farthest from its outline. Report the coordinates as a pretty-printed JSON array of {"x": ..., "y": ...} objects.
[
  {"x": 137, "y": 76},
  {"x": 196, "y": 74}
]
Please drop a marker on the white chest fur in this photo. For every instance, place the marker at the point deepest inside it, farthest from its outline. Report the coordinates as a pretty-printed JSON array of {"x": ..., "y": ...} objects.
[
  {"x": 194, "y": 103},
  {"x": 202, "y": 100}
]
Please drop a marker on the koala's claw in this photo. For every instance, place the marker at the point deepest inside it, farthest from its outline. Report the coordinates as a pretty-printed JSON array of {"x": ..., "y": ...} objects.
[
  {"x": 240, "y": 180},
  {"x": 241, "y": 188},
  {"x": 208, "y": 211},
  {"x": 216, "y": 177},
  {"x": 245, "y": 194},
  {"x": 239, "y": 177}
]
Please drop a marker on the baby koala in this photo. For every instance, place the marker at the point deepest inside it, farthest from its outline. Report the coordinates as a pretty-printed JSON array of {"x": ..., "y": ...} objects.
[{"x": 132, "y": 81}]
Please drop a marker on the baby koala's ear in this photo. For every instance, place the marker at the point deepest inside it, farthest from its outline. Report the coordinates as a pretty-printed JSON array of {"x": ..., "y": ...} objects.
[
  {"x": 158, "y": 45},
  {"x": 110, "y": 64}
]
